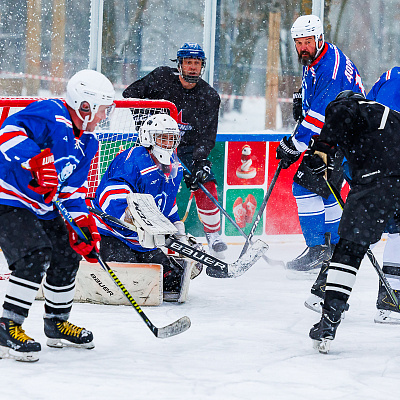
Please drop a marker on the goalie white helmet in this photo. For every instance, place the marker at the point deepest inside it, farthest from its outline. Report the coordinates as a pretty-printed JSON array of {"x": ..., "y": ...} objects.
[
  {"x": 161, "y": 134},
  {"x": 309, "y": 25},
  {"x": 91, "y": 87}
]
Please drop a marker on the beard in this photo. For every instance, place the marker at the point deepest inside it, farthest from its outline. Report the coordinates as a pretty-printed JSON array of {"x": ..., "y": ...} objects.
[{"x": 305, "y": 58}]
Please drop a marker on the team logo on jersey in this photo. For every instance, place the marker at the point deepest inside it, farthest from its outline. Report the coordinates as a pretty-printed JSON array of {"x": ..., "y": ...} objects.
[
  {"x": 66, "y": 172},
  {"x": 160, "y": 201},
  {"x": 183, "y": 126},
  {"x": 65, "y": 138}
]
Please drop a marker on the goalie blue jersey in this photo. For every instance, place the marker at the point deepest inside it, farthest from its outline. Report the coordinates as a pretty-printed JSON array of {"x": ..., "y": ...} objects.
[
  {"x": 134, "y": 171},
  {"x": 386, "y": 89},
  {"x": 331, "y": 73},
  {"x": 45, "y": 124}
]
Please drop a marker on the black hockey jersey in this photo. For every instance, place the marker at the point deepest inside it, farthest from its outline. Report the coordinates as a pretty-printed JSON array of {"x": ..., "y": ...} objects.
[
  {"x": 197, "y": 108},
  {"x": 368, "y": 133}
]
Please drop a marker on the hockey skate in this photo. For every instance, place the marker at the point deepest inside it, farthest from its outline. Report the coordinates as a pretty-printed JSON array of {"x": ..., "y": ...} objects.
[
  {"x": 387, "y": 312},
  {"x": 15, "y": 343},
  {"x": 64, "y": 334},
  {"x": 315, "y": 301},
  {"x": 216, "y": 245},
  {"x": 324, "y": 331},
  {"x": 311, "y": 258}
]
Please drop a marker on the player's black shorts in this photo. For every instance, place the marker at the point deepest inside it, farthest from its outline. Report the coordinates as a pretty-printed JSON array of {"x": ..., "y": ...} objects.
[
  {"x": 22, "y": 233},
  {"x": 368, "y": 209}
]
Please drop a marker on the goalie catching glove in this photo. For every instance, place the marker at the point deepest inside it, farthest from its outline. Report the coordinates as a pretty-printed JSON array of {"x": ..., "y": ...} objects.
[
  {"x": 90, "y": 248},
  {"x": 151, "y": 225}
]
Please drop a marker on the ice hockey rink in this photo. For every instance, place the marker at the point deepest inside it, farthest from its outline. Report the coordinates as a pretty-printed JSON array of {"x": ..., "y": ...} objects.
[{"x": 248, "y": 340}]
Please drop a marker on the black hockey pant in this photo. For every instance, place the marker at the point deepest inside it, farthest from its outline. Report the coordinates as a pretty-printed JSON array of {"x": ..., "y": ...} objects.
[{"x": 33, "y": 247}]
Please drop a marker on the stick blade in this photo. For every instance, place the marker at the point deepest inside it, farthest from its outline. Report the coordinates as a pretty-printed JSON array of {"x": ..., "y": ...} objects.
[
  {"x": 179, "y": 326},
  {"x": 239, "y": 267}
]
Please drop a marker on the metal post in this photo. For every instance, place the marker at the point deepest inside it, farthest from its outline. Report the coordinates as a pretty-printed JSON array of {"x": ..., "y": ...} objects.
[
  {"x": 210, "y": 17},
  {"x": 96, "y": 31},
  {"x": 318, "y": 8}
]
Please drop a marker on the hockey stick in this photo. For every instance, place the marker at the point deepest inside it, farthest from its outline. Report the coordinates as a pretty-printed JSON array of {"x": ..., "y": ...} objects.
[
  {"x": 188, "y": 207},
  {"x": 177, "y": 327},
  {"x": 370, "y": 255},
  {"x": 231, "y": 220},
  {"x": 262, "y": 208},
  {"x": 266, "y": 197},
  {"x": 215, "y": 267}
]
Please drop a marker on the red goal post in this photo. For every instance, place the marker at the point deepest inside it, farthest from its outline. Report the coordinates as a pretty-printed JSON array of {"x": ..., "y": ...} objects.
[{"x": 116, "y": 133}]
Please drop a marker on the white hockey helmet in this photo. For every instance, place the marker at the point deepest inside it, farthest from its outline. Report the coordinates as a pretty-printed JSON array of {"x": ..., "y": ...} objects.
[
  {"x": 91, "y": 87},
  {"x": 160, "y": 132},
  {"x": 309, "y": 25}
]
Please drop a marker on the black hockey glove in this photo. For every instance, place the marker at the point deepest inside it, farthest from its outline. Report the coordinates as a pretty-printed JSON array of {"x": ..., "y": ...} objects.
[
  {"x": 314, "y": 162},
  {"x": 298, "y": 106},
  {"x": 319, "y": 157},
  {"x": 200, "y": 171},
  {"x": 287, "y": 152}
]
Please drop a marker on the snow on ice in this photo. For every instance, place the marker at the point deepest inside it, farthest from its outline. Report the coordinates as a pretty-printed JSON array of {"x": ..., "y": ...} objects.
[{"x": 248, "y": 340}]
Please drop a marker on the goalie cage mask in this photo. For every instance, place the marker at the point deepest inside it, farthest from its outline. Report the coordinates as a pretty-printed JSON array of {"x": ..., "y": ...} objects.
[
  {"x": 160, "y": 133},
  {"x": 191, "y": 50}
]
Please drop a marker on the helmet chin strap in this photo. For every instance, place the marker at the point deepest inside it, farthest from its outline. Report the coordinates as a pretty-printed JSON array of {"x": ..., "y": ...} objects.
[{"x": 85, "y": 122}]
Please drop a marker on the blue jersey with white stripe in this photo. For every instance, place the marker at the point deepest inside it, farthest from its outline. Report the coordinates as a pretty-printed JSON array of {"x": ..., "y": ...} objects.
[
  {"x": 45, "y": 124},
  {"x": 134, "y": 171},
  {"x": 331, "y": 73},
  {"x": 386, "y": 89}
]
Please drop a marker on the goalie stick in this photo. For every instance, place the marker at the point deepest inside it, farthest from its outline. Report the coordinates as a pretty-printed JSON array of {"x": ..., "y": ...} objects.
[
  {"x": 230, "y": 219},
  {"x": 215, "y": 267},
  {"x": 175, "y": 328}
]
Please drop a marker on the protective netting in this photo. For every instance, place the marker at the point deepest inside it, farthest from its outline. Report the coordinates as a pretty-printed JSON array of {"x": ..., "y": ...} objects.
[{"x": 115, "y": 135}]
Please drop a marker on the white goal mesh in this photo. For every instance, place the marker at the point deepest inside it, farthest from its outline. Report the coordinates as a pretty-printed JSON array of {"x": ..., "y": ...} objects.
[{"x": 117, "y": 133}]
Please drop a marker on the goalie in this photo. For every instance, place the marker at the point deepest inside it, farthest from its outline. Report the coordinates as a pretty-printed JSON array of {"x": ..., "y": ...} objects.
[{"x": 140, "y": 188}]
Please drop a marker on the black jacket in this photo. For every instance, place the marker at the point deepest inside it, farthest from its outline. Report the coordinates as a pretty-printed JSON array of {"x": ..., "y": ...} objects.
[
  {"x": 368, "y": 133},
  {"x": 198, "y": 107}
]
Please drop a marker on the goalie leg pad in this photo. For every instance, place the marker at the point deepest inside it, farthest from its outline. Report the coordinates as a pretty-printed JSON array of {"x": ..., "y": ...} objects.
[{"x": 187, "y": 267}]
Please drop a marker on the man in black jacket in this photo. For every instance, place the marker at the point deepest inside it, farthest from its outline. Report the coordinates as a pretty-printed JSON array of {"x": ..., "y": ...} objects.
[
  {"x": 198, "y": 106},
  {"x": 368, "y": 134}
]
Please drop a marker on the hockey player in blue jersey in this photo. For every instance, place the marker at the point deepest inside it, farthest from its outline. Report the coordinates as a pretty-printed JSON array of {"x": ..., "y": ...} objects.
[
  {"x": 326, "y": 72},
  {"x": 46, "y": 150},
  {"x": 151, "y": 168}
]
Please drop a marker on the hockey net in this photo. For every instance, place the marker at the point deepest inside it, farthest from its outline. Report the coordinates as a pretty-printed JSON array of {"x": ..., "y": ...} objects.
[{"x": 116, "y": 133}]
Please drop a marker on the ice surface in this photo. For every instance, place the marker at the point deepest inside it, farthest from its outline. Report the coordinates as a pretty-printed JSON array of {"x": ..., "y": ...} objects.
[{"x": 248, "y": 340}]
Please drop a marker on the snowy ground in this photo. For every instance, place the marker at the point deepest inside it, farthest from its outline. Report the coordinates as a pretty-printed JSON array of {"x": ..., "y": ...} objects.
[{"x": 248, "y": 340}]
